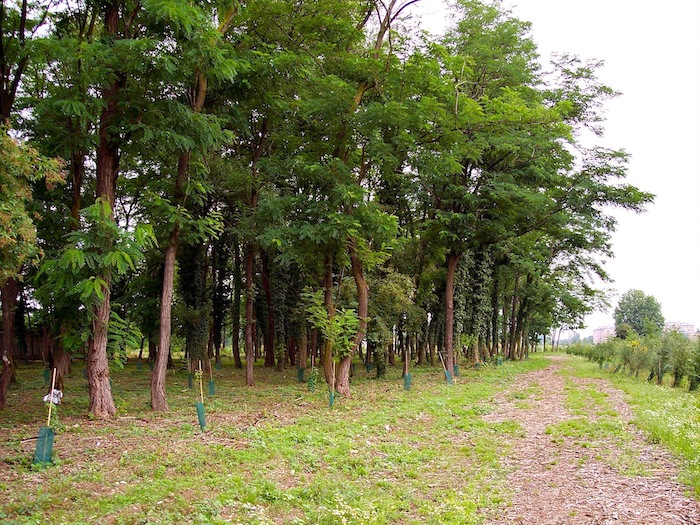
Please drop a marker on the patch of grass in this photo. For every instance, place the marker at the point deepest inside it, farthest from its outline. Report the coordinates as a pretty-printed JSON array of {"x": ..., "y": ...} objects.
[{"x": 274, "y": 453}]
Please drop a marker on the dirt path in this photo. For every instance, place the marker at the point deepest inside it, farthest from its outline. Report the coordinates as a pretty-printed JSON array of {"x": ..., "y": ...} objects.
[{"x": 564, "y": 479}]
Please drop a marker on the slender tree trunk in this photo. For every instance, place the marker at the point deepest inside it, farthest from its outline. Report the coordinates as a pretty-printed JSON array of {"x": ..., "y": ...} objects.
[
  {"x": 422, "y": 345},
  {"x": 269, "y": 335},
  {"x": 327, "y": 357},
  {"x": 101, "y": 401},
  {"x": 303, "y": 349},
  {"x": 158, "y": 400},
  {"x": 342, "y": 384},
  {"x": 236, "y": 306},
  {"x": 314, "y": 346},
  {"x": 512, "y": 330},
  {"x": 249, "y": 314},
  {"x": 218, "y": 301},
  {"x": 494, "y": 320},
  {"x": 452, "y": 261}
]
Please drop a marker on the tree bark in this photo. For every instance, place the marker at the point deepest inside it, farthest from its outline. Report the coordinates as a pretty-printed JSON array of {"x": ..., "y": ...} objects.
[
  {"x": 452, "y": 261},
  {"x": 218, "y": 301},
  {"x": 101, "y": 401}
]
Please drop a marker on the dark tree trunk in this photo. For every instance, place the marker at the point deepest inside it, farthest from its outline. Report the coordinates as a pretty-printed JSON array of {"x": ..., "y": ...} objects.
[
  {"x": 422, "y": 346},
  {"x": 236, "y": 306},
  {"x": 269, "y": 334},
  {"x": 303, "y": 349},
  {"x": 249, "y": 314},
  {"x": 493, "y": 331},
  {"x": 512, "y": 328},
  {"x": 314, "y": 346},
  {"x": 9, "y": 302},
  {"x": 292, "y": 351}
]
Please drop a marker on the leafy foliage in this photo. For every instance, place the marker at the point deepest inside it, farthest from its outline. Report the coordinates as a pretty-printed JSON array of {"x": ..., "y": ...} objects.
[
  {"x": 20, "y": 164},
  {"x": 338, "y": 327},
  {"x": 642, "y": 312}
]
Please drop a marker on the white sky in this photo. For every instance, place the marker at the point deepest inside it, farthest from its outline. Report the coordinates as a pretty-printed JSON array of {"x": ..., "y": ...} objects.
[{"x": 652, "y": 55}]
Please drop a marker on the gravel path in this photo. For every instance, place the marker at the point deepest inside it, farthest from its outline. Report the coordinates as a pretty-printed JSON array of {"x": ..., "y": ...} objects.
[{"x": 564, "y": 480}]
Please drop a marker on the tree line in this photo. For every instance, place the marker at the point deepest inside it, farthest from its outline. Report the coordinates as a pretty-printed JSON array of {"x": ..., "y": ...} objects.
[
  {"x": 316, "y": 178},
  {"x": 644, "y": 343}
]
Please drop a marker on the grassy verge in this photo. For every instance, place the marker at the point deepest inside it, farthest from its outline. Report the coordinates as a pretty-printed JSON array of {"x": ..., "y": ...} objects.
[
  {"x": 669, "y": 416},
  {"x": 274, "y": 453}
]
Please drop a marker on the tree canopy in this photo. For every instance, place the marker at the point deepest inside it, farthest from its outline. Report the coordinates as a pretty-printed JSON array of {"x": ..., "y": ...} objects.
[
  {"x": 226, "y": 162},
  {"x": 640, "y": 311}
]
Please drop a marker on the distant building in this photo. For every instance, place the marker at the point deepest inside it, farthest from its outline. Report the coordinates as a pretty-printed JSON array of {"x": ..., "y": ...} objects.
[
  {"x": 600, "y": 335},
  {"x": 686, "y": 329}
]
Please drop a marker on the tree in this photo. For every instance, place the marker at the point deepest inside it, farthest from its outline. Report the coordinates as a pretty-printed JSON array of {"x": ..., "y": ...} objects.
[
  {"x": 19, "y": 164},
  {"x": 19, "y": 24},
  {"x": 642, "y": 312}
]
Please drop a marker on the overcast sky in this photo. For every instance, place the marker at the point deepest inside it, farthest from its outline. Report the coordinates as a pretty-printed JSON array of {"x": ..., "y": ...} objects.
[{"x": 652, "y": 55}]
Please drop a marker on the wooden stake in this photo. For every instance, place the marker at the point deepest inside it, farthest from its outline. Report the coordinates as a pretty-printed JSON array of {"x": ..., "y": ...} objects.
[
  {"x": 53, "y": 384},
  {"x": 201, "y": 389}
]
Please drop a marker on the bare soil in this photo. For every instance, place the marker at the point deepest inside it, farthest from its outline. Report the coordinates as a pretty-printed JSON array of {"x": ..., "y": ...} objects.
[{"x": 577, "y": 482}]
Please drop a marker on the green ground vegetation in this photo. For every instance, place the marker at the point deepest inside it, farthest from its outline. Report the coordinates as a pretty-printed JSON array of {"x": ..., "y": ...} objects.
[{"x": 275, "y": 453}]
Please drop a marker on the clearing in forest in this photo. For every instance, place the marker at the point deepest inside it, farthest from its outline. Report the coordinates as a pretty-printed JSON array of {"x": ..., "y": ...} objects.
[{"x": 523, "y": 443}]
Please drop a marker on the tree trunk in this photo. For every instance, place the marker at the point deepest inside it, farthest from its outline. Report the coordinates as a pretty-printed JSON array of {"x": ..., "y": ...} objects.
[
  {"x": 303, "y": 349},
  {"x": 513, "y": 325},
  {"x": 158, "y": 400},
  {"x": 218, "y": 301},
  {"x": 249, "y": 314},
  {"x": 59, "y": 359},
  {"x": 9, "y": 301},
  {"x": 236, "y": 306},
  {"x": 327, "y": 356},
  {"x": 269, "y": 335},
  {"x": 314, "y": 346},
  {"x": 99, "y": 387},
  {"x": 422, "y": 347},
  {"x": 493, "y": 330},
  {"x": 342, "y": 384},
  {"x": 107, "y": 171},
  {"x": 452, "y": 261}
]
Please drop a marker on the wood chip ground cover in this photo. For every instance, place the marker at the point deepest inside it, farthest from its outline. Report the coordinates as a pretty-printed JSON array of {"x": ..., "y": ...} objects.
[
  {"x": 576, "y": 481},
  {"x": 518, "y": 444}
]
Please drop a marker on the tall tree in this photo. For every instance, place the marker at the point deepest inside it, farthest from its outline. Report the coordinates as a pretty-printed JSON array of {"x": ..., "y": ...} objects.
[
  {"x": 19, "y": 23},
  {"x": 190, "y": 25},
  {"x": 642, "y": 312}
]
